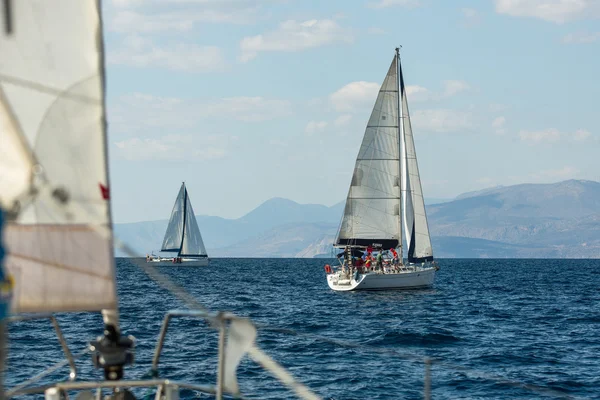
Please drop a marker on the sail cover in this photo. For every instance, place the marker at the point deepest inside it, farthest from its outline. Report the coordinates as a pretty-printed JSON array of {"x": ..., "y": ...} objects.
[
  {"x": 415, "y": 218},
  {"x": 53, "y": 157},
  {"x": 183, "y": 234},
  {"x": 372, "y": 212}
]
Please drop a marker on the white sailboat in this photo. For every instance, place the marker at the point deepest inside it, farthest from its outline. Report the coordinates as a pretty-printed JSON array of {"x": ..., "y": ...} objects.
[
  {"x": 54, "y": 193},
  {"x": 385, "y": 196},
  {"x": 182, "y": 236}
]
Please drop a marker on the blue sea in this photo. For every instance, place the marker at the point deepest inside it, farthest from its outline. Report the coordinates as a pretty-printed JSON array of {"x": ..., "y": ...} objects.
[{"x": 494, "y": 329}]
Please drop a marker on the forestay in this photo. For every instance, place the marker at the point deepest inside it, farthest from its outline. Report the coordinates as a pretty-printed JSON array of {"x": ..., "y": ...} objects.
[
  {"x": 53, "y": 157},
  {"x": 415, "y": 217},
  {"x": 372, "y": 211}
]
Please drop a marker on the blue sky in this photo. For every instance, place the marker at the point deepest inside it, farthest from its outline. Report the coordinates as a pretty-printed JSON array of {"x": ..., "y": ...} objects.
[{"x": 251, "y": 99}]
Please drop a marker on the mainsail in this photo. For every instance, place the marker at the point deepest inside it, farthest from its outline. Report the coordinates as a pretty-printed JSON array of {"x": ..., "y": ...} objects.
[
  {"x": 53, "y": 168},
  {"x": 415, "y": 217},
  {"x": 372, "y": 212},
  {"x": 183, "y": 234},
  {"x": 387, "y": 162}
]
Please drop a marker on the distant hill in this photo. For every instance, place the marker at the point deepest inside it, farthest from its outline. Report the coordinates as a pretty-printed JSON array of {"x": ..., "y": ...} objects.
[
  {"x": 220, "y": 235},
  {"x": 529, "y": 220},
  {"x": 561, "y": 219}
]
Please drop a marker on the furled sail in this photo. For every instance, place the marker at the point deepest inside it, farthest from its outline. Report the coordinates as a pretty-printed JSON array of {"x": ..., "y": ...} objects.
[
  {"x": 53, "y": 157},
  {"x": 415, "y": 217},
  {"x": 372, "y": 211},
  {"x": 183, "y": 234}
]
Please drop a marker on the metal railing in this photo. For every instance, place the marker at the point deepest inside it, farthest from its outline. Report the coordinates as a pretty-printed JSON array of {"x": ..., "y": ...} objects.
[{"x": 59, "y": 335}]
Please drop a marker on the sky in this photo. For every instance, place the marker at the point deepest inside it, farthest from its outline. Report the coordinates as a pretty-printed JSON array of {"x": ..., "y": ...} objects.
[{"x": 246, "y": 100}]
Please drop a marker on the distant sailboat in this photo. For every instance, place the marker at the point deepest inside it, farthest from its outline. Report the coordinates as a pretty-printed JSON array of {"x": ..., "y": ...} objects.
[
  {"x": 385, "y": 188},
  {"x": 182, "y": 236}
]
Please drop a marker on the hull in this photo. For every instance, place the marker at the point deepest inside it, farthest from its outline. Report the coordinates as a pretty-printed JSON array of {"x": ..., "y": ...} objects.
[
  {"x": 412, "y": 279},
  {"x": 185, "y": 262}
]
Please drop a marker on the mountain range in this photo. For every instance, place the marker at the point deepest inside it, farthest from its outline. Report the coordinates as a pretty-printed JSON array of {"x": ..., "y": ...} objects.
[{"x": 559, "y": 220}]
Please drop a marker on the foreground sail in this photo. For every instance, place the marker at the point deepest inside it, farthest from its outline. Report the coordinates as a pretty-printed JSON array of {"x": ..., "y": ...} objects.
[
  {"x": 54, "y": 193},
  {"x": 385, "y": 190},
  {"x": 53, "y": 170},
  {"x": 182, "y": 236}
]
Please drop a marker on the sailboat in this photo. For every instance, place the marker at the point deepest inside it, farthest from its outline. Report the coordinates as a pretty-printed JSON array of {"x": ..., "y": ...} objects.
[
  {"x": 55, "y": 200},
  {"x": 385, "y": 196},
  {"x": 182, "y": 236}
]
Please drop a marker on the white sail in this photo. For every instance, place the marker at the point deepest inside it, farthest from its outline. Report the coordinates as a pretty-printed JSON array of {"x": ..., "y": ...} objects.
[
  {"x": 372, "y": 208},
  {"x": 15, "y": 161},
  {"x": 52, "y": 116},
  {"x": 415, "y": 217},
  {"x": 192, "y": 239},
  {"x": 173, "y": 235},
  {"x": 183, "y": 234}
]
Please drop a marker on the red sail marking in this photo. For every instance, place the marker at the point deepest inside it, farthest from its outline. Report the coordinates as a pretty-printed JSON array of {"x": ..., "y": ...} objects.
[{"x": 104, "y": 191}]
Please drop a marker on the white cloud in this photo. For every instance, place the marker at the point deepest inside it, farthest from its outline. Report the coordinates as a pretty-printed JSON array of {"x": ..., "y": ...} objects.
[
  {"x": 453, "y": 87},
  {"x": 294, "y": 36},
  {"x": 498, "y": 125},
  {"x": 557, "y": 11},
  {"x": 581, "y": 135},
  {"x": 315, "y": 126},
  {"x": 126, "y": 3},
  {"x": 354, "y": 95},
  {"x": 471, "y": 17},
  {"x": 131, "y": 16},
  {"x": 417, "y": 93},
  {"x": 140, "y": 52},
  {"x": 137, "y": 113},
  {"x": 581, "y": 37},
  {"x": 553, "y": 135},
  {"x": 247, "y": 109},
  {"x": 342, "y": 120},
  {"x": 390, "y": 3},
  {"x": 171, "y": 148},
  {"x": 548, "y": 135},
  {"x": 127, "y": 21},
  {"x": 442, "y": 120}
]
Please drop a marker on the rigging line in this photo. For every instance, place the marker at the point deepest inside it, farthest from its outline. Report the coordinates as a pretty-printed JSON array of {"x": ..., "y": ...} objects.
[
  {"x": 12, "y": 392},
  {"x": 62, "y": 93}
]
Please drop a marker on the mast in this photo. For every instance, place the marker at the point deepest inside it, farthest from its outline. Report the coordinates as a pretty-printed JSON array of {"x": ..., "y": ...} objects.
[
  {"x": 400, "y": 153},
  {"x": 184, "y": 215}
]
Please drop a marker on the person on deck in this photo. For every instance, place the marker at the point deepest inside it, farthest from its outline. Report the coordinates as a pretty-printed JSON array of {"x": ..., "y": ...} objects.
[
  {"x": 368, "y": 262},
  {"x": 394, "y": 256},
  {"x": 380, "y": 261}
]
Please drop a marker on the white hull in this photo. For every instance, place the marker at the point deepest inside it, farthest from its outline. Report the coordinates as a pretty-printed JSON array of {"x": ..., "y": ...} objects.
[
  {"x": 412, "y": 278},
  {"x": 185, "y": 262}
]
